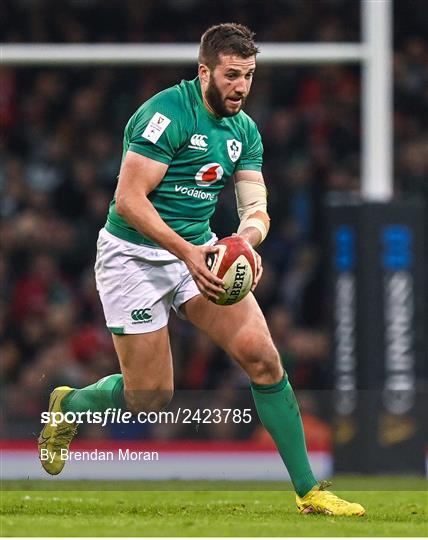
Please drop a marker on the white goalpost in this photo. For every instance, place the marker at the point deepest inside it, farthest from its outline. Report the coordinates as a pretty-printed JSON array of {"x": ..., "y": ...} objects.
[{"x": 373, "y": 53}]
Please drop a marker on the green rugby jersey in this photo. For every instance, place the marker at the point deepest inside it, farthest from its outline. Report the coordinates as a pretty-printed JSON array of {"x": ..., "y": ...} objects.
[{"x": 202, "y": 152}]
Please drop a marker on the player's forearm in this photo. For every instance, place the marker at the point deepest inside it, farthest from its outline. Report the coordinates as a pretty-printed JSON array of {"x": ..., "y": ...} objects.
[
  {"x": 252, "y": 235},
  {"x": 251, "y": 199},
  {"x": 143, "y": 216}
]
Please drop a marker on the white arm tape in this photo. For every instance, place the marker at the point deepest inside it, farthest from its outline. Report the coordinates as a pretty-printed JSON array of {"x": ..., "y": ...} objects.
[{"x": 251, "y": 200}]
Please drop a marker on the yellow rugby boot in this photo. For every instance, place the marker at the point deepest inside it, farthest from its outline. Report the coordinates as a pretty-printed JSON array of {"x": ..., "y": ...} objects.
[
  {"x": 320, "y": 501},
  {"x": 53, "y": 439}
]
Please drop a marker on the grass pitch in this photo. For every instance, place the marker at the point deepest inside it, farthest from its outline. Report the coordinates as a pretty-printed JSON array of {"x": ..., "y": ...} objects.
[{"x": 55, "y": 508}]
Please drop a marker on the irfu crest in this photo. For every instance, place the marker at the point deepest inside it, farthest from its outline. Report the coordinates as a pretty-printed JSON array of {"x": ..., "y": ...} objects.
[{"x": 234, "y": 148}]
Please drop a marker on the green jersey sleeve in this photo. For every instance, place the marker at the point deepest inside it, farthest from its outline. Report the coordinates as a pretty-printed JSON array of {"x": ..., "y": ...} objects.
[
  {"x": 157, "y": 129},
  {"x": 252, "y": 152}
]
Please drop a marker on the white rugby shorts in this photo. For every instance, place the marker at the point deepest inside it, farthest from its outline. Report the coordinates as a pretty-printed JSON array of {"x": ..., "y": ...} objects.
[{"x": 138, "y": 285}]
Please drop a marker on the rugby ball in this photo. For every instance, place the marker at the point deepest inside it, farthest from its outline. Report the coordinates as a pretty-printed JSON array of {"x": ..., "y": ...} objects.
[{"x": 235, "y": 264}]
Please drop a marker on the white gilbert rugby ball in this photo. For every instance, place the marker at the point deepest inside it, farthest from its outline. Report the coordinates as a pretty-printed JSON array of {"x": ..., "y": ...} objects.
[{"x": 235, "y": 264}]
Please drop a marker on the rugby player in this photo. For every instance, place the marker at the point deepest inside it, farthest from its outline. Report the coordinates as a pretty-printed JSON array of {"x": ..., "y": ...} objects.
[{"x": 179, "y": 149}]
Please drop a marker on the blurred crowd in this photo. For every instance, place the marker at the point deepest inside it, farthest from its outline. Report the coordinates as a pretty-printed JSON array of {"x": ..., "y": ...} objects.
[
  {"x": 169, "y": 21},
  {"x": 60, "y": 158}
]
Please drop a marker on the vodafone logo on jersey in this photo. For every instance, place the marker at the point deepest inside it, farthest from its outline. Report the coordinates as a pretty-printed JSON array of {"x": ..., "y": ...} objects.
[{"x": 208, "y": 174}]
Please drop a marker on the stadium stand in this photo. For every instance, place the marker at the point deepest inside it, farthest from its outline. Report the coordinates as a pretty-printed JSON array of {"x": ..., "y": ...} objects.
[{"x": 60, "y": 158}]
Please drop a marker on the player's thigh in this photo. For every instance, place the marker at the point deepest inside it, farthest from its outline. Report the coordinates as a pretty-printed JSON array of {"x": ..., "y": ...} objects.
[
  {"x": 145, "y": 360},
  {"x": 241, "y": 330}
]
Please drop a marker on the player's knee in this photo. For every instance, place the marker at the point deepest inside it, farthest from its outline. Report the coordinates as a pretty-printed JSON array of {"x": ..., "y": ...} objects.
[
  {"x": 260, "y": 359},
  {"x": 147, "y": 400},
  {"x": 266, "y": 370}
]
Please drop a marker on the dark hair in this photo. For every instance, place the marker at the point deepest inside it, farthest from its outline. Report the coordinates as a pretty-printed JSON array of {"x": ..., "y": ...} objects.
[{"x": 226, "y": 38}]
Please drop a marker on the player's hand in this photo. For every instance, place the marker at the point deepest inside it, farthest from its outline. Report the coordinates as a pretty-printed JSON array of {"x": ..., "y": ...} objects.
[
  {"x": 259, "y": 267},
  {"x": 209, "y": 284}
]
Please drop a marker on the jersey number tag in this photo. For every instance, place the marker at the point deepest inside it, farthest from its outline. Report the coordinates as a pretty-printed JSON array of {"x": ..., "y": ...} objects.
[
  {"x": 234, "y": 148},
  {"x": 156, "y": 126}
]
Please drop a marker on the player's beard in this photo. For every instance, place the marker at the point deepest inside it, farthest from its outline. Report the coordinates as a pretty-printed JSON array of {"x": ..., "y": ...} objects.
[{"x": 217, "y": 102}]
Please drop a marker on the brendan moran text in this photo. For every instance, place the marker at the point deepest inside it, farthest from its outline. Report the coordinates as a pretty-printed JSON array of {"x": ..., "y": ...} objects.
[{"x": 122, "y": 454}]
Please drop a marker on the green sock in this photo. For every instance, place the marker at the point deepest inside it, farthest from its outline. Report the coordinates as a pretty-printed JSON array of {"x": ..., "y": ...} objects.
[
  {"x": 279, "y": 413},
  {"x": 105, "y": 393}
]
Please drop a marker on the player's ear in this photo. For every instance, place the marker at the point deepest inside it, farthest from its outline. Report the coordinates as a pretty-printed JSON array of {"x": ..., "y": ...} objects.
[{"x": 204, "y": 73}]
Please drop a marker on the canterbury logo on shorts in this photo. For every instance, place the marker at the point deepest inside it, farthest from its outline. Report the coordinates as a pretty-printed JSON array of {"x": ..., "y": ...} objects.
[{"x": 141, "y": 315}]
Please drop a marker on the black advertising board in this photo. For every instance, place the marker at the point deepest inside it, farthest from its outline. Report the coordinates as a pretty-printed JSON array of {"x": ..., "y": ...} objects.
[{"x": 377, "y": 296}]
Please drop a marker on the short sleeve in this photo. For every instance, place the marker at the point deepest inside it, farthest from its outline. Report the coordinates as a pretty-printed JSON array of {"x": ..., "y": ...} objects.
[
  {"x": 157, "y": 128},
  {"x": 251, "y": 158}
]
